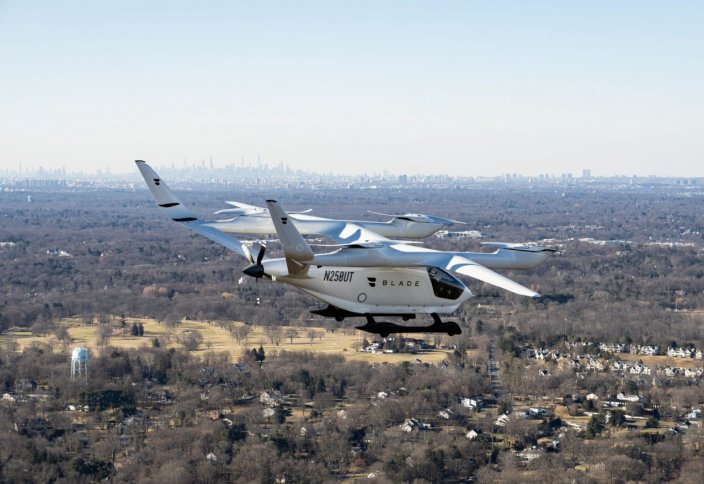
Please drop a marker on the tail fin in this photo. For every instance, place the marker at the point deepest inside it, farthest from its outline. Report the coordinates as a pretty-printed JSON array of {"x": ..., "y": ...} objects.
[
  {"x": 296, "y": 250},
  {"x": 292, "y": 242},
  {"x": 163, "y": 195}
]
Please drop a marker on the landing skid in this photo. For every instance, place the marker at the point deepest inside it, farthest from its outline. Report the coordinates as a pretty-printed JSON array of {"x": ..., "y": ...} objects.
[
  {"x": 384, "y": 328},
  {"x": 340, "y": 314}
]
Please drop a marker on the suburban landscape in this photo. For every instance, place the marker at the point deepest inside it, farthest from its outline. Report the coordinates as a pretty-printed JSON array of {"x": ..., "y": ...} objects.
[{"x": 198, "y": 374}]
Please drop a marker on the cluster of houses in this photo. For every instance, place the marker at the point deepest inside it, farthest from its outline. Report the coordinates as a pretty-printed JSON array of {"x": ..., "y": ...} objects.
[
  {"x": 388, "y": 345},
  {"x": 652, "y": 350},
  {"x": 587, "y": 362}
]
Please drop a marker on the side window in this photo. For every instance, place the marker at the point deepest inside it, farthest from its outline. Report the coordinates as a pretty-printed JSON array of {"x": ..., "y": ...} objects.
[{"x": 444, "y": 284}]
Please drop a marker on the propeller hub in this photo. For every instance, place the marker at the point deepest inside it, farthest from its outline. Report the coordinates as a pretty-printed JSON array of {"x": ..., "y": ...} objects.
[{"x": 254, "y": 270}]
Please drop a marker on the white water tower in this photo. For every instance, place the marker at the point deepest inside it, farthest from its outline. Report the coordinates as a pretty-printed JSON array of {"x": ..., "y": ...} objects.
[{"x": 79, "y": 363}]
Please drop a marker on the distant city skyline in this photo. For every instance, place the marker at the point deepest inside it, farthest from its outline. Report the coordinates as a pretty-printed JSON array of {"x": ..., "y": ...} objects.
[{"x": 458, "y": 87}]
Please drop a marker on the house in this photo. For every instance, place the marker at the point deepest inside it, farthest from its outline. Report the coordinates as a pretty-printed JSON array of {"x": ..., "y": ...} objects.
[
  {"x": 640, "y": 369},
  {"x": 530, "y": 454},
  {"x": 382, "y": 395},
  {"x": 58, "y": 253},
  {"x": 415, "y": 343},
  {"x": 446, "y": 414},
  {"x": 628, "y": 398},
  {"x": 680, "y": 352},
  {"x": 472, "y": 402},
  {"x": 271, "y": 398},
  {"x": 502, "y": 420},
  {"x": 538, "y": 354},
  {"x": 373, "y": 348},
  {"x": 592, "y": 397},
  {"x": 692, "y": 372},
  {"x": 412, "y": 423},
  {"x": 619, "y": 366},
  {"x": 6, "y": 397},
  {"x": 649, "y": 350},
  {"x": 695, "y": 414},
  {"x": 536, "y": 413},
  {"x": 613, "y": 348},
  {"x": 594, "y": 364},
  {"x": 472, "y": 435}
]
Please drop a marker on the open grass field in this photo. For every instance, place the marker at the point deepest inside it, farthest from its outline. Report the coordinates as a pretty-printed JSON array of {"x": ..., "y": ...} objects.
[{"x": 218, "y": 339}]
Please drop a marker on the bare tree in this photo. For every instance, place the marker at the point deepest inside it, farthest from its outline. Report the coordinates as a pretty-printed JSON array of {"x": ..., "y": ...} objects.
[
  {"x": 103, "y": 334},
  {"x": 241, "y": 333},
  {"x": 291, "y": 333},
  {"x": 61, "y": 334},
  {"x": 312, "y": 334},
  {"x": 191, "y": 340},
  {"x": 274, "y": 333}
]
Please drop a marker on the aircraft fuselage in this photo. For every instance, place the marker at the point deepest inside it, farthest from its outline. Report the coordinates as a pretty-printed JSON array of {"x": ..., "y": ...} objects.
[{"x": 371, "y": 290}]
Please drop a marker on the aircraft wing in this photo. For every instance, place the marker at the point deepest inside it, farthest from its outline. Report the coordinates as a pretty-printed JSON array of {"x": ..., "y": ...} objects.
[
  {"x": 349, "y": 233},
  {"x": 176, "y": 211},
  {"x": 466, "y": 267}
]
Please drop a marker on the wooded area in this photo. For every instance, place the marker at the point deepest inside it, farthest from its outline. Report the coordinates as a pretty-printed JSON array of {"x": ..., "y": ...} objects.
[{"x": 629, "y": 271}]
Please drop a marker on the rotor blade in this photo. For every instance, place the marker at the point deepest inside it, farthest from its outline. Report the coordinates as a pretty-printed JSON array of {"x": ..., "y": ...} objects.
[
  {"x": 262, "y": 250},
  {"x": 469, "y": 268}
]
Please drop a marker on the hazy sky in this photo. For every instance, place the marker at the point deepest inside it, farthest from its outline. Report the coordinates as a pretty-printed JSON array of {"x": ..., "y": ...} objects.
[{"x": 467, "y": 87}]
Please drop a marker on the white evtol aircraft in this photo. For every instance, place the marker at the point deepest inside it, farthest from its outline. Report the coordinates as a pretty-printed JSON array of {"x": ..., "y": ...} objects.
[{"x": 367, "y": 274}]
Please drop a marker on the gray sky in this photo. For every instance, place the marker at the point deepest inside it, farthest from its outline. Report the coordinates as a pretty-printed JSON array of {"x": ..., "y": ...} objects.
[{"x": 466, "y": 87}]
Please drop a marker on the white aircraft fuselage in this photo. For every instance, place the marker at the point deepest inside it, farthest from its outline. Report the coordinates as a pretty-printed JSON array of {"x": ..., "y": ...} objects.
[{"x": 377, "y": 290}]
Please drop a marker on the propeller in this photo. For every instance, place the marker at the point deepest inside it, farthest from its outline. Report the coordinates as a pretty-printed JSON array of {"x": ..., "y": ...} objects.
[
  {"x": 420, "y": 218},
  {"x": 256, "y": 269}
]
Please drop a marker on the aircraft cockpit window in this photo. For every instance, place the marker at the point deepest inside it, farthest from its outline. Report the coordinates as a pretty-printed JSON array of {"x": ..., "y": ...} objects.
[{"x": 444, "y": 284}]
